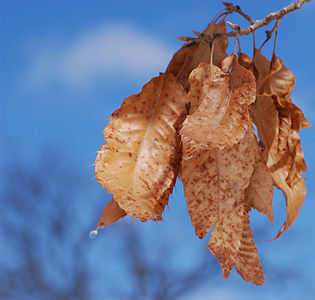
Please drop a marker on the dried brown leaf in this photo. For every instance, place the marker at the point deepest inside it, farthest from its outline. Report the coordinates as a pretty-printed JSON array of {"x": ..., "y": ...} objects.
[
  {"x": 189, "y": 56},
  {"x": 278, "y": 121},
  {"x": 214, "y": 183},
  {"x": 261, "y": 69},
  {"x": 298, "y": 165},
  {"x": 259, "y": 193},
  {"x": 227, "y": 233},
  {"x": 231, "y": 239},
  {"x": 110, "y": 214},
  {"x": 247, "y": 260},
  {"x": 284, "y": 128},
  {"x": 225, "y": 171},
  {"x": 245, "y": 61},
  {"x": 298, "y": 119},
  {"x": 140, "y": 159},
  {"x": 206, "y": 82},
  {"x": 273, "y": 78},
  {"x": 224, "y": 99},
  {"x": 215, "y": 177},
  {"x": 280, "y": 82},
  {"x": 281, "y": 164}
]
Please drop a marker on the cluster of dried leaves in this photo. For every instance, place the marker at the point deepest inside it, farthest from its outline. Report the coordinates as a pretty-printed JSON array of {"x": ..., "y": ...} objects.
[{"x": 195, "y": 121}]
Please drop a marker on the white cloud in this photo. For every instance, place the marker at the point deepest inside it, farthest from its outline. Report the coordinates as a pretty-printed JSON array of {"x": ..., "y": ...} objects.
[{"x": 104, "y": 51}]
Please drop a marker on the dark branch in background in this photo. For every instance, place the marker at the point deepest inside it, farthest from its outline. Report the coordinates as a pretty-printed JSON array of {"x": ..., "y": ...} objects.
[
  {"x": 278, "y": 15},
  {"x": 49, "y": 251},
  {"x": 152, "y": 275},
  {"x": 46, "y": 252}
]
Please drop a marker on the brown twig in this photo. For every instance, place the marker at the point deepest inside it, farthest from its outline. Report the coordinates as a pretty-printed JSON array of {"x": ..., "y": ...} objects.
[
  {"x": 275, "y": 27},
  {"x": 247, "y": 17},
  {"x": 237, "y": 9},
  {"x": 270, "y": 32},
  {"x": 274, "y": 46},
  {"x": 278, "y": 15},
  {"x": 235, "y": 42},
  {"x": 260, "y": 23},
  {"x": 229, "y": 9},
  {"x": 219, "y": 14}
]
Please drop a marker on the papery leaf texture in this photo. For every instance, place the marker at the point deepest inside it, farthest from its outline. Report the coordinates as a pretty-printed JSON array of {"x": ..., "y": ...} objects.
[
  {"x": 196, "y": 122},
  {"x": 215, "y": 182},
  {"x": 110, "y": 214},
  {"x": 278, "y": 121},
  {"x": 189, "y": 56},
  {"x": 245, "y": 61},
  {"x": 224, "y": 98},
  {"x": 259, "y": 193},
  {"x": 280, "y": 82},
  {"x": 140, "y": 159}
]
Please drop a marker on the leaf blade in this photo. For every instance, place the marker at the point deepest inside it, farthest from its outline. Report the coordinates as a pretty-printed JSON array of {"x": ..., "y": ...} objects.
[
  {"x": 110, "y": 214},
  {"x": 224, "y": 99},
  {"x": 186, "y": 59},
  {"x": 141, "y": 140},
  {"x": 278, "y": 120}
]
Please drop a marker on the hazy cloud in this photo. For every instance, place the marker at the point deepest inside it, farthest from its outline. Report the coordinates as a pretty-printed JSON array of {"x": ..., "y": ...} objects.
[{"x": 106, "y": 50}]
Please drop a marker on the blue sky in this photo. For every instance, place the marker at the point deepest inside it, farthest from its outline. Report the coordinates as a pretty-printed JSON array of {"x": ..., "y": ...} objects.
[{"x": 67, "y": 65}]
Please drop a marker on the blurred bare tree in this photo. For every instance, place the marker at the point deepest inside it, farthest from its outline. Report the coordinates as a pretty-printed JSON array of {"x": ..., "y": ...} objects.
[
  {"x": 155, "y": 274},
  {"x": 41, "y": 248},
  {"x": 46, "y": 253}
]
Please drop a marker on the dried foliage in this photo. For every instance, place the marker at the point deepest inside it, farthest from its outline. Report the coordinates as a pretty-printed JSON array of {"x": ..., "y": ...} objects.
[
  {"x": 140, "y": 160},
  {"x": 278, "y": 120},
  {"x": 224, "y": 98},
  {"x": 197, "y": 118},
  {"x": 188, "y": 58}
]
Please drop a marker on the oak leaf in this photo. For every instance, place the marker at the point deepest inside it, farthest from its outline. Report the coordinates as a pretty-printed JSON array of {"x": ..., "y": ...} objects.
[{"x": 140, "y": 159}]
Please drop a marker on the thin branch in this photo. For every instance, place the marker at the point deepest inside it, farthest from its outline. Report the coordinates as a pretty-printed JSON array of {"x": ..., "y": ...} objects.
[
  {"x": 274, "y": 47},
  {"x": 218, "y": 15},
  {"x": 270, "y": 32},
  {"x": 229, "y": 9},
  {"x": 278, "y": 15},
  {"x": 237, "y": 9},
  {"x": 275, "y": 27},
  {"x": 260, "y": 23},
  {"x": 247, "y": 17}
]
